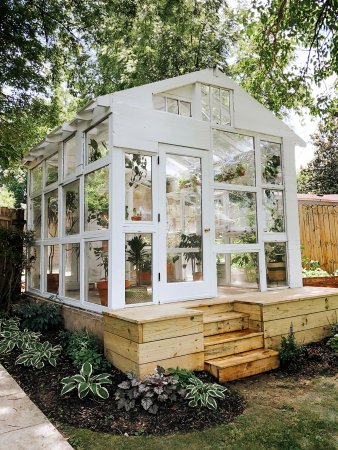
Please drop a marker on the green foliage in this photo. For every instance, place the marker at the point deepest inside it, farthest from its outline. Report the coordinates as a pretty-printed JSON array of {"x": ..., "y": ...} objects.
[
  {"x": 83, "y": 347},
  {"x": 15, "y": 338},
  {"x": 39, "y": 316},
  {"x": 289, "y": 349},
  {"x": 149, "y": 393},
  {"x": 333, "y": 343},
  {"x": 14, "y": 258},
  {"x": 37, "y": 353},
  {"x": 334, "y": 329},
  {"x": 182, "y": 376},
  {"x": 202, "y": 394},
  {"x": 320, "y": 176},
  {"x": 192, "y": 241},
  {"x": 85, "y": 382},
  {"x": 312, "y": 273}
]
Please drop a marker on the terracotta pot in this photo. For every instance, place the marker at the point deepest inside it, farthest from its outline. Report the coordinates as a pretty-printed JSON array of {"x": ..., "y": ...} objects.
[
  {"x": 145, "y": 278},
  {"x": 102, "y": 287},
  {"x": 127, "y": 284},
  {"x": 53, "y": 282},
  {"x": 136, "y": 218},
  {"x": 169, "y": 271},
  {"x": 197, "y": 276}
]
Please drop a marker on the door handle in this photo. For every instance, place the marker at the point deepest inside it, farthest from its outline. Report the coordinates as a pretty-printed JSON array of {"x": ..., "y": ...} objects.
[{"x": 206, "y": 230}]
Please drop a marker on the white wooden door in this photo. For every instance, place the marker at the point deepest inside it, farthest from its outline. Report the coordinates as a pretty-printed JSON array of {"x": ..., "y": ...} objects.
[{"x": 186, "y": 268}]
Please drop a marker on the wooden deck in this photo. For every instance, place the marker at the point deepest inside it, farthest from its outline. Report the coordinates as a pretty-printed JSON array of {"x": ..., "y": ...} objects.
[{"x": 232, "y": 337}]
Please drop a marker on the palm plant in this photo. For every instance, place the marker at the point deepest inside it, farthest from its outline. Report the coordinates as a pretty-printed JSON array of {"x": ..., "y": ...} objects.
[{"x": 137, "y": 255}]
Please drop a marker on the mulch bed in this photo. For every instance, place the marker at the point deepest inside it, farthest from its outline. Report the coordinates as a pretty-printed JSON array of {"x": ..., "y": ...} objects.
[
  {"x": 316, "y": 359},
  {"x": 43, "y": 387}
]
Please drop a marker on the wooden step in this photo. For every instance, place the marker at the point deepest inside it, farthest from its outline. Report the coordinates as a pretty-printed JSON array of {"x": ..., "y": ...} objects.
[
  {"x": 217, "y": 308},
  {"x": 232, "y": 343},
  {"x": 225, "y": 322},
  {"x": 242, "y": 365}
]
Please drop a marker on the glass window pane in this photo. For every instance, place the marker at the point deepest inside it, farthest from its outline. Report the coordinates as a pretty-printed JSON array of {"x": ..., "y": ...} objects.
[
  {"x": 69, "y": 157},
  {"x": 271, "y": 163},
  {"x": 34, "y": 274},
  {"x": 71, "y": 265},
  {"x": 138, "y": 269},
  {"x": 36, "y": 216},
  {"x": 138, "y": 187},
  {"x": 184, "y": 225},
  {"x": 53, "y": 269},
  {"x": 225, "y": 107},
  {"x": 36, "y": 178},
  {"x": 205, "y": 103},
  {"x": 52, "y": 218},
  {"x": 215, "y": 105},
  {"x": 185, "y": 109},
  {"x": 237, "y": 270},
  {"x": 159, "y": 102},
  {"x": 97, "y": 139},
  {"x": 273, "y": 211},
  {"x": 71, "y": 205},
  {"x": 172, "y": 105},
  {"x": 97, "y": 254},
  {"x": 275, "y": 259},
  {"x": 52, "y": 168},
  {"x": 233, "y": 158},
  {"x": 235, "y": 217},
  {"x": 97, "y": 200}
]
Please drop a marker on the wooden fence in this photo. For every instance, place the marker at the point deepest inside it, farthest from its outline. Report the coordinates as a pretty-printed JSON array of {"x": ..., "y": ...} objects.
[{"x": 319, "y": 232}]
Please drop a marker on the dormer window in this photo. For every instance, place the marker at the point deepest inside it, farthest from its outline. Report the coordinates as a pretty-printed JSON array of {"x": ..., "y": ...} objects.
[
  {"x": 172, "y": 105},
  {"x": 215, "y": 105}
]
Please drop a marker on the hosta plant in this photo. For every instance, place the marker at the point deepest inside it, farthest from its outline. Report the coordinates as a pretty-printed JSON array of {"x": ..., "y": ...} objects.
[
  {"x": 333, "y": 343},
  {"x": 9, "y": 324},
  {"x": 85, "y": 382},
  {"x": 38, "y": 353},
  {"x": 202, "y": 394},
  {"x": 14, "y": 338},
  {"x": 153, "y": 390}
]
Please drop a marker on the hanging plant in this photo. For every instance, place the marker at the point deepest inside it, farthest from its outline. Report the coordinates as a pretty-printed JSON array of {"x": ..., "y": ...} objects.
[{"x": 138, "y": 165}]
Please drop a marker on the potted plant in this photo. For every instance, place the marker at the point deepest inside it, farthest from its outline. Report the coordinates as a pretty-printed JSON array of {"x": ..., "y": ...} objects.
[
  {"x": 101, "y": 254},
  {"x": 276, "y": 267},
  {"x": 145, "y": 270},
  {"x": 193, "y": 241},
  {"x": 137, "y": 255},
  {"x": 137, "y": 216},
  {"x": 228, "y": 174},
  {"x": 170, "y": 262}
]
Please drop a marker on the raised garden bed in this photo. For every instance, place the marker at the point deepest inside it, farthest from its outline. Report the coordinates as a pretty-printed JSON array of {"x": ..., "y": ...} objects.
[
  {"x": 43, "y": 387},
  {"x": 321, "y": 281}
]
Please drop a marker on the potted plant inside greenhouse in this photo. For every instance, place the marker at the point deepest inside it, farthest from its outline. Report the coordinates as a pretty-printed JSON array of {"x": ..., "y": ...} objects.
[
  {"x": 52, "y": 227},
  {"x": 276, "y": 265},
  {"x": 195, "y": 257},
  {"x": 101, "y": 254},
  {"x": 140, "y": 259}
]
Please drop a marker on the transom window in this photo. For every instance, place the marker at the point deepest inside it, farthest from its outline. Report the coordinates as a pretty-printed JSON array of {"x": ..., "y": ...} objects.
[{"x": 172, "y": 105}]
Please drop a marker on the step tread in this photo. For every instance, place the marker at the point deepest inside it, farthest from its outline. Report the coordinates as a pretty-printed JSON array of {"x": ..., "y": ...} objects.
[
  {"x": 242, "y": 358},
  {"x": 222, "y": 317},
  {"x": 230, "y": 336}
]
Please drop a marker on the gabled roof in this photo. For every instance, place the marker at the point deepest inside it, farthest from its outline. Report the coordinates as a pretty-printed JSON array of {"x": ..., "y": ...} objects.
[{"x": 251, "y": 115}]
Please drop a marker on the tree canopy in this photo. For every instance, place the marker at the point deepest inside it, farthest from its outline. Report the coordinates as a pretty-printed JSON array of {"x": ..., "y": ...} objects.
[{"x": 320, "y": 176}]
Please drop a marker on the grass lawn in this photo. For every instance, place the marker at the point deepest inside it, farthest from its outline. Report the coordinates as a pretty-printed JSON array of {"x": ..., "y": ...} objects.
[{"x": 282, "y": 413}]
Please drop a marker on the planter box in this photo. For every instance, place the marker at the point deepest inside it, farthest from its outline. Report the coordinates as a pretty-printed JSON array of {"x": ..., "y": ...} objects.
[{"x": 321, "y": 282}]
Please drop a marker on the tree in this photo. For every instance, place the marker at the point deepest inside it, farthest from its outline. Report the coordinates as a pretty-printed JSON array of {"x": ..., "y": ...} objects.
[
  {"x": 320, "y": 177},
  {"x": 285, "y": 46}
]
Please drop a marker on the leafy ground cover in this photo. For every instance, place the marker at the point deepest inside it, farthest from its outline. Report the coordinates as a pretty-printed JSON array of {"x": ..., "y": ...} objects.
[
  {"x": 43, "y": 386},
  {"x": 284, "y": 412}
]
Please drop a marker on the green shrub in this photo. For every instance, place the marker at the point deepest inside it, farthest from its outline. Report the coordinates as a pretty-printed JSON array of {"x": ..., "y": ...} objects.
[
  {"x": 333, "y": 343},
  {"x": 149, "y": 393},
  {"x": 85, "y": 382},
  {"x": 39, "y": 317},
  {"x": 202, "y": 394},
  {"x": 334, "y": 329},
  {"x": 289, "y": 351},
  {"x": 83, "y": 347},
  {"x": 38, "y": 353}
]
